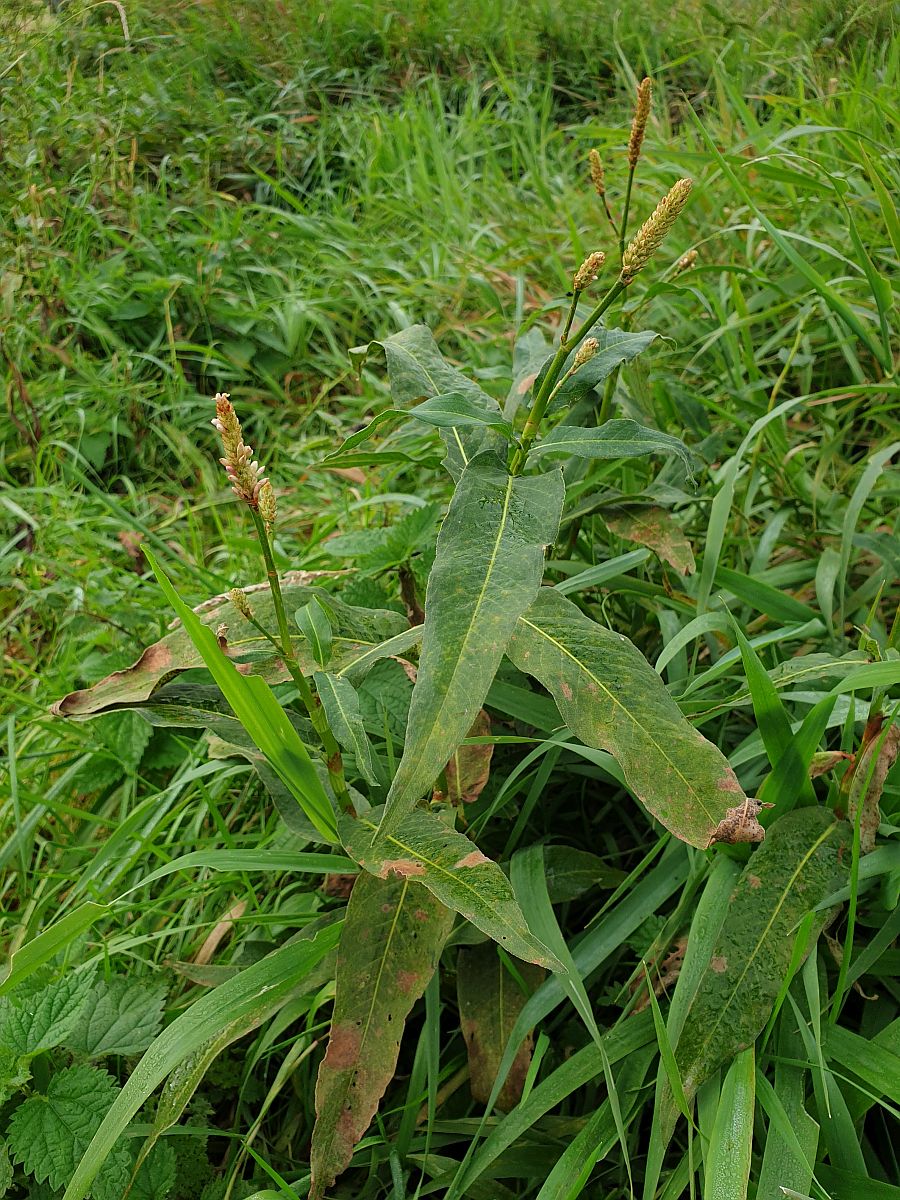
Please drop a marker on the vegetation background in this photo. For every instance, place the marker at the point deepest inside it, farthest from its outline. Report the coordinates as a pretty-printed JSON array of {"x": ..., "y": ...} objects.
[{"x": 226, "y": 195}]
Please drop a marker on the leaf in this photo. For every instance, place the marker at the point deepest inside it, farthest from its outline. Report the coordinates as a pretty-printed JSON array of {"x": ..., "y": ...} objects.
[
  {"x": 156, "y": 1176},
  {"x": 393, "y": 934},
  {"x": 616, "y": 439},
  {"x": 456, "y": 409},
  {"x": 384, "y": 696},
  {"x": 41, "y": 1020},
  {"x": 799, "y": 864},
  {"x": 261, "y": 715},
  {"x": 355, "y": 631},
  {"x": 121, "y": 1018},
  {"x": 452, "y": 868},
  {"x": 616, "y": 347},
  {"x": 41, "y": 949},
  {"x": 490, "y": 999},
  {"x": 611, "y": 698},
  {"x": 49, "y": 1134},
  {"x": 531, "y": 352},
  {"x": 863, "y": 783},
  {"x": 6, "y": 1171},
  {"x": 571, "y": 872},
  {"x": 651, "y": 527},
  {"x": 341, "y": 705},
  {"x": 728, "y": 1157},
  {"x": 242, "y": 1003},
  {"x": 380, "y": 549},
  {"x": 469, "y": 767},
  {"x": 312, "y": 621},
  {"x": 488, "y": 567}
]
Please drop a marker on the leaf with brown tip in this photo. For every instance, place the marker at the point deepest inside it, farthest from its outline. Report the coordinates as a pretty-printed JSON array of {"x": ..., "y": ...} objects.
[
  {"x": 392, "y": 938},
  {"x": 653, "y": 527}
]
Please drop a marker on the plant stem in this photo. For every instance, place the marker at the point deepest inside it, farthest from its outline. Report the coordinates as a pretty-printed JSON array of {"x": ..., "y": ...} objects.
[
  {"x": 624, "y": 226},
  {"x": 308, "y": 697},
  {"x": 544, "y": 396}
]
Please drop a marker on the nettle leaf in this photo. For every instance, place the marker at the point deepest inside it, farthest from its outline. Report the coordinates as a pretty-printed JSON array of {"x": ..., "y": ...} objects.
[
  {"x": 491, "y": 997},
  {"x": 380, "y": 549},
  {"x": 355, "y": 631},
  {"x": 42, "y": 1019},
  {"x": 393, "y": 934},
  {"x": 653, "y": 527},
  {"x": 120, "y": 1018},
  {"x": 14, "y": 1071},
  {"x": 156, "y": 1177},
  {"x": 49, "y": 1134},
  {"x": 341, "y": 704},
  {"x": 424, "y": 848},
  {"x": 801, "y": 862},
  {"x": 610, "y": 697},
  {"x": 6, "y": 1171},
  {"x": 616, "y": 439},
  {"x": 487, "y": 570}
]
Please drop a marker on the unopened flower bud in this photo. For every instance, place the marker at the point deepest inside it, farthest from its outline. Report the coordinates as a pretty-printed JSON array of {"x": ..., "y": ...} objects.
[
  {"x": 243, "y": 473},
  {"x": 585, "y": 352},
  {"x": 589, "y": 270},
  {"x": 241, "y": 603},
  {"x": 686, "y": 262},
  {"x": 639, "y": 123},
  {"x": 598, "y": 177},
  {"x": 267, "y": 506},
  {"x": 651, "y": 234}
]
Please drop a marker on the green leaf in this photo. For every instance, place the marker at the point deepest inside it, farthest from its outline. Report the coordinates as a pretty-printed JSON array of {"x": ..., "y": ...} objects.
[
  {"x": 611, "y": 698},
  {"x": 49, "y": 1134},
  {"x": 453, "y": 869},
  {"x": 393, "y": 934},
  {"x": 341, "y": 704},
  {"x": 156, "y": 1176},
  {"x": 313, "y": 623},
  {"x": 728, "y": 1156},
  {"x": 241, "y": 1002},
  {"x": 456, "y": 409},
  {"x": 571, "y": 872},
  {"x": 490, "y": 558},
  {"x": 121, "y": 1018},
  {"x": 30, "y": 957},
  {"x": 616, "y": 347},
  {"x": 44, "y": 1019},
  {"x": 261, "y": 715},
  {"x": 491, "y": 995},
  {"x": 616, "y": 439},
  {"x": 798, "y": 865},
  {"x": 376, "y": 550},
  {"x": 6, "y": 1171}
]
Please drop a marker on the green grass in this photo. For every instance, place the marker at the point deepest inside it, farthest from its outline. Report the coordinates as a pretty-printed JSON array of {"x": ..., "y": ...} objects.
[{"x": 230, "y": 198}]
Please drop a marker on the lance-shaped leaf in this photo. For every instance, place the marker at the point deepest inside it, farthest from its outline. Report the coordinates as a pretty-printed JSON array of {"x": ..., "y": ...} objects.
[
  {"x": 424, "y": 848},
  {"x": 341, "y": 705},
  {"x": 616, "y": 347},
  {"x": 653, "y": 527},
  {"x": 800, "y": 864},
  {"x": 487, "y": 570},
  {"x": 356, "y": 630},
  {"x": 611, "y": 698},
  {"x": 616, "y": 439},
  {"x": 490, "y": 999},
  {"x": 393, "y": 934}
]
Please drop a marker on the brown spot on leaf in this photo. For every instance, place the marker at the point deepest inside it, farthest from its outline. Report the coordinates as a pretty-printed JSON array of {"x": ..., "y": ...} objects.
[
  {"x": 566, "y": 691},
  {"x": 404, "y": 867},
  {"x": 407, "y": 980},
  {"x": 473, "y": 859},
  {"x": 754, "y": 881},
  {"x": 719, "y": 964},
  {"x": 420, "y": 914},
  {"x": 343, "y": 1048}
]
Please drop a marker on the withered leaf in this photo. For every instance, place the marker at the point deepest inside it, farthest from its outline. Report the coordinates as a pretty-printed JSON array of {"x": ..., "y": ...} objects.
[
  {"x": 652, "y": 527},
  {"x": 469, "y": 769},
  {"x": 864, "y": 781}
]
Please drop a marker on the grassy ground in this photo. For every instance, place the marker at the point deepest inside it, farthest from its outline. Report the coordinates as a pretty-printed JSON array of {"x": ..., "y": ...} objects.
[{"x": 226, "y": 196}]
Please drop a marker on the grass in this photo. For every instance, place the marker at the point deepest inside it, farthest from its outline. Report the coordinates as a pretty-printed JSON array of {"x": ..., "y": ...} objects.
[{"x": 222, "y": 197}]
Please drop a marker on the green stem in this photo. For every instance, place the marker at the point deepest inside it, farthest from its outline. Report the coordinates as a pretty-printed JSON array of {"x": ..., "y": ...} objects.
[
  {"x": 624, "y": 226},
  {"x": 548, "y": 387},
  {"x": 308, "y": 697}
]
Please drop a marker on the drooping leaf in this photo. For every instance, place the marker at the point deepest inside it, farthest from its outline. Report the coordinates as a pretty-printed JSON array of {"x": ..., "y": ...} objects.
[
  {"x": 616, "y": 439},
  {"x": 490, "y": 999},
  {"x": 490, "y": 558},
  {"x": 863, "y": 783},
  {"x": 800, "y": 863},
  {"x": 611, "y": 698},
  {"x": 356, "y": 630},
  {"x": 40, "y": 1020},
  {"x": 469, "y": 767},
  {"x": 393, "y": 934},
  {"x": 121, "y": 1017},
  {"x": 341, "y": 704},
  {"x": 653, "y": 527},
  {"x": 261, "y": 715},
  {"x": 255, "y": 993},
  {"x": 426, "y": 849}
]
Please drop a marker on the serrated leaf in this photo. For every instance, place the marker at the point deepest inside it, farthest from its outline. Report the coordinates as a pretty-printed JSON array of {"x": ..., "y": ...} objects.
[
  {"x": 487, "y": 570},
  {"x": 611, "y": 698},
  {"x": 120, "y": 1018},
  {"x": 355, "y": 631},
  {"x": 653, "y": 527},
  {"x": 6, "y": 1171},
  {"x": 490, "y": 1000},
  {"x": 341, "y": 704},
  {"x": 616, "y": 439},
  {"x": 156, "y": 1175},
  {"x": 379, "y": 549},
  {"x": 14, "y": 1072},
  {"x": 43, "y": 1019},
  {"x": 393, "y": 934},
  {"x": 312, "y": 621},
  {"x": 424, "y": 848},
  {"x": 48, "y": 1134},
  {"x": 800, "y": 863}
]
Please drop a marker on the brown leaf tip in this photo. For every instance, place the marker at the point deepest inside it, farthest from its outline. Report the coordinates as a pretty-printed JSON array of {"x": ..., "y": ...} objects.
[{"x": 741, "y": 824}]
